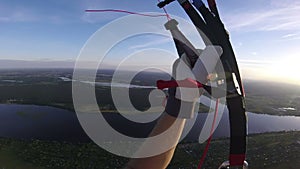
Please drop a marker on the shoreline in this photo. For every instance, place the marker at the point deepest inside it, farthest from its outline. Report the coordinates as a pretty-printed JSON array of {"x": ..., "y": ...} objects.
[{"x": 71, "y": 108}]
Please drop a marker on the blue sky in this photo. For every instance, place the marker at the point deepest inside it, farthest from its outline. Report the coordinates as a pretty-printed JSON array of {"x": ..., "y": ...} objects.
[{"x": 264, "y": 33}]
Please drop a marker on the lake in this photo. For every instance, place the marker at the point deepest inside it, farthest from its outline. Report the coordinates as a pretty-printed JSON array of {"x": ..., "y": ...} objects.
[{"x": 50, "y": 123}]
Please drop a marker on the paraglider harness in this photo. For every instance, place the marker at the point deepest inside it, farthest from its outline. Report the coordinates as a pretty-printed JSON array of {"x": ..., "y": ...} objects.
[{"x": 213, "y": 32}]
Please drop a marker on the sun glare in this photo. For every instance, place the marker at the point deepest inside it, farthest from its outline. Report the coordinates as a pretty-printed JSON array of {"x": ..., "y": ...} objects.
[
  {"x": 285, "y": 70},
  {"x": 282, "y": 71}
]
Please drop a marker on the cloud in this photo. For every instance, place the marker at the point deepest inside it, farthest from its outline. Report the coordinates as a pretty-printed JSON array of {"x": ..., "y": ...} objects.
[
  {"x": 280, "y": 16},
  {"x": 18, "y": 15},
  {"x": 95, "y": 17},
  {"x": 47, "y": 63},
  {"x": 32, "y": 11},
  {"x": 11, "y": 64},
  {"x": 291, "y": 36},
  {"x": 151, "y": 44},
  {"x": 254, "y": 53},
  {"x": 255, "y": 63}
]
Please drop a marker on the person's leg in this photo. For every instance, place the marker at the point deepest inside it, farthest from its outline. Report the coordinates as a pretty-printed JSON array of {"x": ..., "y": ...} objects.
[{"x": 160, "y": 161}]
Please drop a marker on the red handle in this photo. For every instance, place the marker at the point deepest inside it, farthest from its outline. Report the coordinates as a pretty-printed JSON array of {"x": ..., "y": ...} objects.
[{"x": 188, "y": 82}]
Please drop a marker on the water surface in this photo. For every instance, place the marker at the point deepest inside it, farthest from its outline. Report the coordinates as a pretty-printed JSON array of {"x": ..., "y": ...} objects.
[{"x": 49, "y": 123}]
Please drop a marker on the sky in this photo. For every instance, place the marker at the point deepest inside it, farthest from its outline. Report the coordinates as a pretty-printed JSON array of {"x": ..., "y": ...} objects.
[{"x": 265, "y": 33}]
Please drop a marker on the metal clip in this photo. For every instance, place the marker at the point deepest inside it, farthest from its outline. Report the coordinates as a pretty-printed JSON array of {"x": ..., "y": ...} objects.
[{"x": 226, "y": 165}]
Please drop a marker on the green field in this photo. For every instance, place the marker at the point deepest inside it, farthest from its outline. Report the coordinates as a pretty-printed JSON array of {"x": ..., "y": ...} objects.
[{"x": 270, "y": 151}]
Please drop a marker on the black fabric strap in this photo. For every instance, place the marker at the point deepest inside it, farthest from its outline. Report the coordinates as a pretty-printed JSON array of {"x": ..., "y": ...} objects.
[{"x": 214, "y": 29}]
